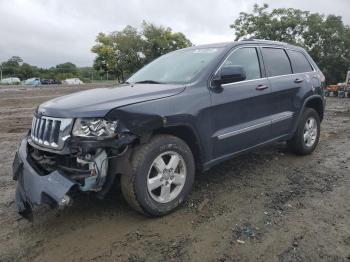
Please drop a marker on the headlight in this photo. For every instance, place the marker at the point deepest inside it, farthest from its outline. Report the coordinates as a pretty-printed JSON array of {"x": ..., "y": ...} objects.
[{"x": 94, "y": 127}]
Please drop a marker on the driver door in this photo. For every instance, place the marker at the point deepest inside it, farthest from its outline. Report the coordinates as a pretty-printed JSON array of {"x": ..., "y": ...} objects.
[{"x": 241, "y": 110}]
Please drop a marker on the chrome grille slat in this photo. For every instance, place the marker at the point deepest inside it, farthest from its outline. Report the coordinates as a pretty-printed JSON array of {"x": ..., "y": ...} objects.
[
  {"x": 47, "y": 132},
  {"x": 51, "y": 132},
  {"x": 36, "y": 131},
  {"x": 33, "y": 128},
  {"x": 41, "y": 130}
]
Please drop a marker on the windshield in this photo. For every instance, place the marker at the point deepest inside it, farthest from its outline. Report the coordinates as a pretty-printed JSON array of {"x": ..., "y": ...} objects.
[{"x": 181, "y": 66}]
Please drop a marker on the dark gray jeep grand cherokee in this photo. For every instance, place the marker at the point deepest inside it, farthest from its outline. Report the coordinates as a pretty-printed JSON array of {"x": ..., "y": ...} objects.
[{"x": 186, "y": 111}]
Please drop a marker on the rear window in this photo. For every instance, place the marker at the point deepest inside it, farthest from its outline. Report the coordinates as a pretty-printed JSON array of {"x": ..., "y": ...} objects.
[
  {"x": 299, "y": 62},
  {"x": 276, "y": 61}
]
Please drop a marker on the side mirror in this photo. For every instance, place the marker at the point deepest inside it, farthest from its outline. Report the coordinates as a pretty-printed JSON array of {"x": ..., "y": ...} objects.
[{"x": 229, "y": 74}]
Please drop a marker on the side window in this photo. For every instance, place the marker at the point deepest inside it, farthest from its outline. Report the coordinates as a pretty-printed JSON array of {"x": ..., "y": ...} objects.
[
  {"x": 276, "y": 61},
  {"x": 299, "y": 62},
  {"x": 246, "y": 57}
]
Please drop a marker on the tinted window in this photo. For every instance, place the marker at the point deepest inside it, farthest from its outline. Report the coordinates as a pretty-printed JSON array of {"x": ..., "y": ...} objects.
[
  {"x": 248, "y": 59},
  {"x": 276, "y": 61},
  {"x": 299, "y": 62}
]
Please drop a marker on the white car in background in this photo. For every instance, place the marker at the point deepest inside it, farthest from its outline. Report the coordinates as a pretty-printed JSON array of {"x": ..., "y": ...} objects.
[
  {"x": 10, "y": 81},
  {"x": 72, "y": 81}
]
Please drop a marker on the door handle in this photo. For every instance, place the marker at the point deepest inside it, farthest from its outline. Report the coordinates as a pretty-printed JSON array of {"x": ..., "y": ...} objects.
[
  {"x": 298, "y": 80},
  {"x": 261, "y": 87}
]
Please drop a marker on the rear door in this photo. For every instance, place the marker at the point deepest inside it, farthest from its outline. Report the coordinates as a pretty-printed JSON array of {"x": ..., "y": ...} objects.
[
  {"x": 241, "y": 110},
  {"x": 283, "y": 89},
  {"x": 303, "y": 72}
]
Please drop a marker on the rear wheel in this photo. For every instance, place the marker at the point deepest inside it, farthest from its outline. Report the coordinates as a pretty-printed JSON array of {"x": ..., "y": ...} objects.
[
  {"x": 307, "y": 134},
  {"x": 162, "y": 176}
]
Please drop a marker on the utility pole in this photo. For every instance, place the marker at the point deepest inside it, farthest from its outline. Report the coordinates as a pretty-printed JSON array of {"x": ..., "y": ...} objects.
[{"x": 0, "y": 72}]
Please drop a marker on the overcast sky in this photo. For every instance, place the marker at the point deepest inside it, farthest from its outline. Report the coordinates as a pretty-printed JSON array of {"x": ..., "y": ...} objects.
[{"x": 49, "y": 32}]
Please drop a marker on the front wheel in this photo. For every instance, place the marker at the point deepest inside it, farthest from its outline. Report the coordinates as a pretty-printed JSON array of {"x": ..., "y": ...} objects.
[
  {"x": 307, "y": 134},
  {"x": 162, "y": 176}
]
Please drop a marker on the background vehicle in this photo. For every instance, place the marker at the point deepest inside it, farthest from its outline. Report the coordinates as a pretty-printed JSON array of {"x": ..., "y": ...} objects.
[
  {"x": 341, "y": 89},
  {"x": 10, "y": 81},
  {"x": 72, "y": 81},
  {"x": 32, "y": 81},
  {"x": 187, "y": 110}
]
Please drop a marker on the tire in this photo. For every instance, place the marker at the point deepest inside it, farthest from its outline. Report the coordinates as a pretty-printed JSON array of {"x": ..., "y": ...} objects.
[
  {"x": 146, "y": 166},
  {"x": 335, "y": 93},
  {"x": 298, "y": 144}
]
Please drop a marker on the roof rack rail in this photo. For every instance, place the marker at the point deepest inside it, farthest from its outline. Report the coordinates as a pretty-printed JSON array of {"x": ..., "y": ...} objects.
[{"x": 264, "y": 40}]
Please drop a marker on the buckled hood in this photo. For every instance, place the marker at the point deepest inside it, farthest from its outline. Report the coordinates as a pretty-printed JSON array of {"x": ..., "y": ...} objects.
[{"x": 98, "y": 102}]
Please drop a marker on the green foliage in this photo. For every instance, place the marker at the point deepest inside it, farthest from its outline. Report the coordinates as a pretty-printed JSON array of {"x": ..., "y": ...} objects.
[
  {"x": 11, "y": 66},
  {"x": 15, "y": 67},
  {"x": 66, "y": 68},
  {"x": 123, "y": 52},
  {"x": 326, "y": 38},
  {"x": 159, "y": 40}
]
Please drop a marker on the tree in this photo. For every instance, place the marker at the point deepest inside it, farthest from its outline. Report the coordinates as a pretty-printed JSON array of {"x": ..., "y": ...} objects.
[
  {"x": 15, "y": 67},
  {"x": 326, "y": 38},
  {"x": 104, "y": 51},
  {"x": 160, "y": 40},
  {"x": 67, "y": 67},
  {"x": 14, "y": 61},
  {"x": 119, "y": 52},
  {"x": 27, "y": 71},
  {"x": 123, "y": 52},
  {"x": 11, "y": 66}
]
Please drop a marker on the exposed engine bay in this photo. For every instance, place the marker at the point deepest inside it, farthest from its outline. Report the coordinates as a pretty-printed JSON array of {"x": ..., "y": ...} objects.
[
  {"x": 89, "y": 170},
  {"x": 53, "y": 177}
]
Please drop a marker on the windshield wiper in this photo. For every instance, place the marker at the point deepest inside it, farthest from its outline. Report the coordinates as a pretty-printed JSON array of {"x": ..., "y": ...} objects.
[{"x": 148, "y": 82}]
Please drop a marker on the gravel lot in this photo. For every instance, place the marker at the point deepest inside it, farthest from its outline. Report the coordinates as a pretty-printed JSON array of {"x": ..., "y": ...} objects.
[{"x": 269, "y": 205}]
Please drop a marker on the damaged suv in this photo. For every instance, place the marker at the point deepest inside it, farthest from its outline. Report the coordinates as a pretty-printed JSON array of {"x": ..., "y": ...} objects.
[{"x": 187, "y": 110}]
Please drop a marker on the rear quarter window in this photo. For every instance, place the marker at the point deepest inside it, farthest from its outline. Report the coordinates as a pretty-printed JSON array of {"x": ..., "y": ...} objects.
[
  {"x": 299, "y": 62},
  {"x": 276, "y": 61}
]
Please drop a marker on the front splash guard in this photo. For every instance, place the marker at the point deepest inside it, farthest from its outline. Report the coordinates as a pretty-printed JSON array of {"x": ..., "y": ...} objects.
[{"x": 35, "y": 189}]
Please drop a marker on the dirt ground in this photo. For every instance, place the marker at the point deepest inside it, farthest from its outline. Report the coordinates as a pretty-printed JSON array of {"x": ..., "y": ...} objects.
[{"x": 269, "y": 205}]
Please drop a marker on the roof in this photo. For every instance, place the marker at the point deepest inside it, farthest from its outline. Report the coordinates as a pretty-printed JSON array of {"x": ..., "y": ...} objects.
[
  {"x": 249, "y": 41},
  {"x": 213, "y": 45}
]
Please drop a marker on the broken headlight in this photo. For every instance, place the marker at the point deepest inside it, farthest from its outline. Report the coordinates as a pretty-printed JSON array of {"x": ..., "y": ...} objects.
[{"x": 94, "y": 127}]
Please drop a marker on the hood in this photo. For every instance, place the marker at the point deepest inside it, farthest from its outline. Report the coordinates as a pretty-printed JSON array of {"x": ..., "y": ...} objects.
[{"x": 98, "y": 102}]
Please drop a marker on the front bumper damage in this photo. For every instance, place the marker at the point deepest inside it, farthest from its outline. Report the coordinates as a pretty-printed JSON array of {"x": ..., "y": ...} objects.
[
  {"x": 56, "y": 187},
  {"x": 36, "y": 189}
]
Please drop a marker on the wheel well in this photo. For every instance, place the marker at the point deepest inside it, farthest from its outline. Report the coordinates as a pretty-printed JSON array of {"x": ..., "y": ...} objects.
[
  {"x": 316, "y": 104},
  {"x": 185, "y": 133}
]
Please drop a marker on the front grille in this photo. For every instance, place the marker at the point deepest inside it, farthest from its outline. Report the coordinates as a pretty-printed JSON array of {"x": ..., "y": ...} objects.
[{"x": 50, "y": 132}]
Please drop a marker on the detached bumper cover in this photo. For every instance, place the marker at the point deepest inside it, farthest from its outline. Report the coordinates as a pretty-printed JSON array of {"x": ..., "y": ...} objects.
[{"x": 35, "y": 189}]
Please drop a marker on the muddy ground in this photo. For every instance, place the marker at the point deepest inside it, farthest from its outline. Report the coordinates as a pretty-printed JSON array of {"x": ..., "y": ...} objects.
[{"x": 269, "y": 205}]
